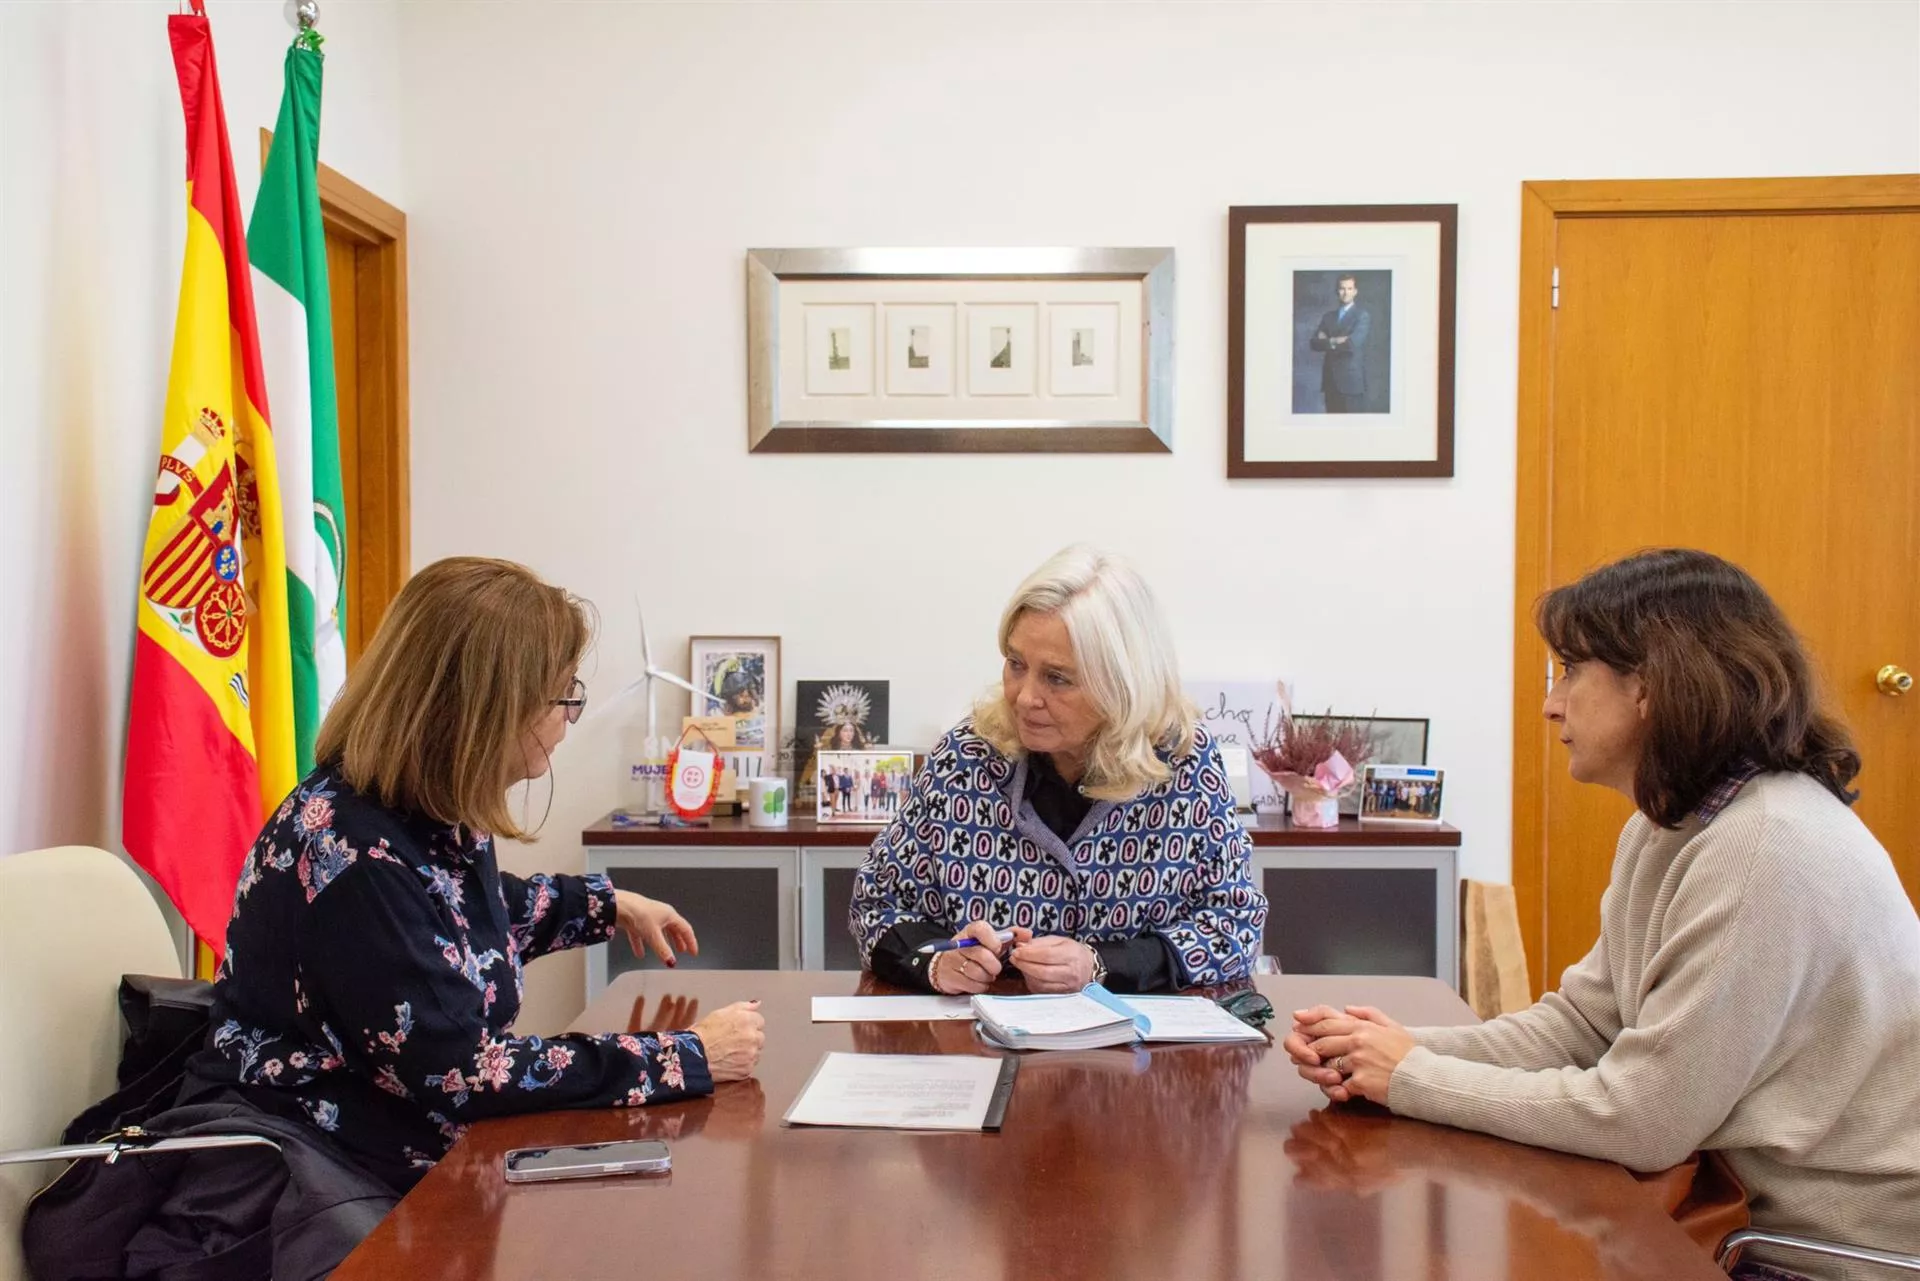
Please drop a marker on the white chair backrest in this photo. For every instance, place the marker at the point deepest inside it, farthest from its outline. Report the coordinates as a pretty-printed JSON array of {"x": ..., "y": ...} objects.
[{"x": 72, "y": 921}]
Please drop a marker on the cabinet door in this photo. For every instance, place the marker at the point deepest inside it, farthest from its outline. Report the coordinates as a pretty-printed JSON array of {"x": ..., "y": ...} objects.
[
  {"x": 1338, "y": 920},
  {"x": 1362, "y": 911},
  {"x": 827, "y": 878},
  {"x": 739, "y": 913}
]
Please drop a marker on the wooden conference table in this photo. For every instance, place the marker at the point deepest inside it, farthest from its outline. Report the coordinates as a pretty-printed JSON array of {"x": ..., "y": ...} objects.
[{"x": 1184, "y": 1161}]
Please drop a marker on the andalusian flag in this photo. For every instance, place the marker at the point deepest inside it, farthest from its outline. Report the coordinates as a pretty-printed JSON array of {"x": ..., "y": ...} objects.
[
  {"x": 210, "y": 725},
  {"x": 289, "y": 250}
]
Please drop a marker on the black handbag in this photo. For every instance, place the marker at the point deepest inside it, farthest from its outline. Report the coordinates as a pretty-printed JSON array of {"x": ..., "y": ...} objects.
[{"x": 291, "y": 1206}]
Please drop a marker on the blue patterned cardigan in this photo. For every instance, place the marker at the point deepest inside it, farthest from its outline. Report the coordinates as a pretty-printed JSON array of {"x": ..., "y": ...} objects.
[{"x": 1173, "y": 861}]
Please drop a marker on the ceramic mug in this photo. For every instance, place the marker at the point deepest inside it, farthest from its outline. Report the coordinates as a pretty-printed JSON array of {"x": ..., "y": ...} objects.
[{"x": 767, "y": 801}]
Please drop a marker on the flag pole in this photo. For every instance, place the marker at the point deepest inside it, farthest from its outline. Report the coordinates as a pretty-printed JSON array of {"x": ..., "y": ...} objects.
[{"x": 303, "y": 15}]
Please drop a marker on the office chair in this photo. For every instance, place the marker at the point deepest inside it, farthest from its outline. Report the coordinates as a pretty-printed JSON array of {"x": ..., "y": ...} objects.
[
  {"x": 1729, "y": 1252},
  {"x": 72, "y": 920}
]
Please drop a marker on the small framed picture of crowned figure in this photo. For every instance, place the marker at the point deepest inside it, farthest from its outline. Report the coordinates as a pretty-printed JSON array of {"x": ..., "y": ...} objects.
[
  {"x": 848, "y": 715},
  {"x": 1340, "y": 340}
]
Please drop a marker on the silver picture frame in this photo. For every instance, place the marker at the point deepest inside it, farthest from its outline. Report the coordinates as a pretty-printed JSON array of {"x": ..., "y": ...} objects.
[{"x": 1142, "y": 343}]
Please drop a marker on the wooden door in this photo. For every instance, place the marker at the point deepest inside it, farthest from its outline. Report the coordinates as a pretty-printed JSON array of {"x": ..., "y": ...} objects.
[
  {"x": 343, "y": 290},
  {"x": 1735, "y": 367}
]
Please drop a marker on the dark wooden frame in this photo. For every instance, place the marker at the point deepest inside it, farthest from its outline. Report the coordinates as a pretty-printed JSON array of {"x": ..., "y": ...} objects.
[{"x": 1239, "y": 217}]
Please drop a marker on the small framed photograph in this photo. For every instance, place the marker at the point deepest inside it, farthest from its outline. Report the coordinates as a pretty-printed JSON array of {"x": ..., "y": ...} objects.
[
  {"x": 1401, "y": 793},
  {"x": 1340, "y": 340},
  {"x": 920, "y": 349},
  {"x": 1083, "y": 345},
  {"x": 1002, "y": 348},
  {"x": 834, "y": 716},
  {"x": 740, "y": 677},
  {"x": 840, "y": 350},
  {"x": 861, "y": 787}
]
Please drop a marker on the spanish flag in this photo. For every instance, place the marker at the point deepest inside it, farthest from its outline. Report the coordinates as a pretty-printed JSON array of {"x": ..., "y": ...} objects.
[{"x": 210, "y": 726}]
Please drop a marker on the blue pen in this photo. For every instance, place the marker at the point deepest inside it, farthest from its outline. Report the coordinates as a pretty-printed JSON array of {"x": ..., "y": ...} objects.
[{"x": 948, "y": 945}]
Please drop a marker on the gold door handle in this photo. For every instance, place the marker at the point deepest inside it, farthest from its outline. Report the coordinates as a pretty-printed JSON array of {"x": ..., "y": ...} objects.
[{"x": 1893, "y": 680}]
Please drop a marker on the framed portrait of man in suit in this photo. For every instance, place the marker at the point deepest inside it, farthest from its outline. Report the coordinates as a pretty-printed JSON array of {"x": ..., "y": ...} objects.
[{"x": 1340, "y": 340}]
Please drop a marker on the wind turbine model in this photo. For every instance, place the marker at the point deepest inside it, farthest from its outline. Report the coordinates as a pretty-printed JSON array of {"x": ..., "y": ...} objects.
[
  {"x": 652, "y": 755},
  {"x": 650, "y": 674}
]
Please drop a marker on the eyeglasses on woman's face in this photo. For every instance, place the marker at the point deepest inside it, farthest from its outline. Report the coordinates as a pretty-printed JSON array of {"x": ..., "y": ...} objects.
[{"x": 576, "y": 700}]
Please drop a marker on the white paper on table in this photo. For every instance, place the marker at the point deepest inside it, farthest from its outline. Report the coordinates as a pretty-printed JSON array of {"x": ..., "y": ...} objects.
[
  {"x": 1047, "y": 1015},
  {"x": 899, "y": 1091},
  {"x": 890, "y": 1009},
  {"x": 1189, "y": 1018}
]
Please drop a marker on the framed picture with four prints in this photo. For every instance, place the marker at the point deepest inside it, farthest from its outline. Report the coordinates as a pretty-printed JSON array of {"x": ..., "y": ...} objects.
[
  {"x": 1340, "y": 340},
  {"x": 893, "y": 350}
]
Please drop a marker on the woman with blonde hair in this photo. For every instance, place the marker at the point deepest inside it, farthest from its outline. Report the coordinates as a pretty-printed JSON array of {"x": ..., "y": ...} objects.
[
  {"x": 1081, "y": 809},
  {"x": 373, "y": 964}
]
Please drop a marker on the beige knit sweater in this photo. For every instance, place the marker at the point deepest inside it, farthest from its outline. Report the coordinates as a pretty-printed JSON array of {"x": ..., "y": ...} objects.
[{"x": 1755, "y": 990}]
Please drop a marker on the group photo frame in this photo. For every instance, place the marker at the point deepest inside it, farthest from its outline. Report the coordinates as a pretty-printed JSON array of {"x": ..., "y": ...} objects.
[
  {"x": 965, "y": 350},
  {"x": 1402, "y": 794},
  {"x": 861, "y": 787},
  {"x": 1340, "y": 340}
]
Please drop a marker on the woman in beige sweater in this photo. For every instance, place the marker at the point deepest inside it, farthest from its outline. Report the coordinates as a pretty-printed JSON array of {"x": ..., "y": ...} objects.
[{"x": 1756, "y": 986}]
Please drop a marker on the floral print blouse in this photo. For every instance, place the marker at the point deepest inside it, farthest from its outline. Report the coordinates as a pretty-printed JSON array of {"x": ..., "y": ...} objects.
[{"x": 373, "y": 974}]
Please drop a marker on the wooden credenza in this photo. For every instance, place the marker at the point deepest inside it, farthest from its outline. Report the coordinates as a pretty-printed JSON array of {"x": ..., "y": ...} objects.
[{"x": 1357, "y": 899}]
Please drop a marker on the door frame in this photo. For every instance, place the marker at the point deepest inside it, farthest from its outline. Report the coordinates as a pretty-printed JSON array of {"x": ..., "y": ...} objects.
[
  {"x": 385, "y": 463},
  {"x": 1542, "y": 206}
]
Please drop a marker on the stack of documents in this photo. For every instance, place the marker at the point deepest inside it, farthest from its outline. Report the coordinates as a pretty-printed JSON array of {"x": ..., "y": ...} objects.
[
  {"x": 1094, "y": 1017},
  {"x": 1070, "y": 1021}
]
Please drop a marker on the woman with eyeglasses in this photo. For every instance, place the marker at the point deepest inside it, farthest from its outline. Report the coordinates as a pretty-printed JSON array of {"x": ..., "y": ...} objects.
[{"x": 373, "y": 964}]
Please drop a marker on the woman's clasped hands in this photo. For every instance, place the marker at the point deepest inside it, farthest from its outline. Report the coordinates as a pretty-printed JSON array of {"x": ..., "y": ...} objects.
[{"x": 1349, "y": 1053}]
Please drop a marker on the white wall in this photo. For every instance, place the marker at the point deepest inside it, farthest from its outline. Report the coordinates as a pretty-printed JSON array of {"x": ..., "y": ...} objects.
[
  {"x": 92, "y": 230},
  {"x": 584, "y": 181}
]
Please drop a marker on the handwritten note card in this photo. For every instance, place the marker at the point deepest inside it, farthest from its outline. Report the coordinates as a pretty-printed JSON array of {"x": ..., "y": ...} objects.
[{"x": 1237, "y": 714}]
